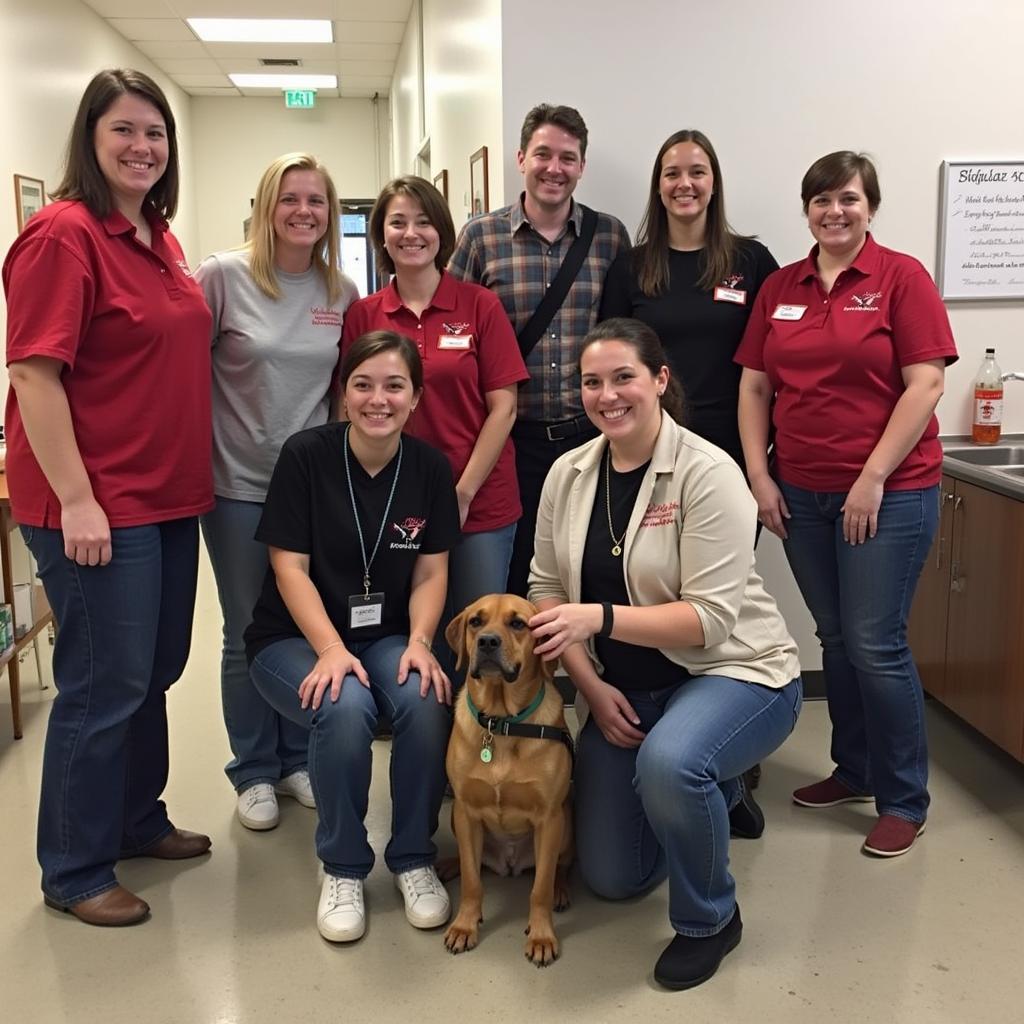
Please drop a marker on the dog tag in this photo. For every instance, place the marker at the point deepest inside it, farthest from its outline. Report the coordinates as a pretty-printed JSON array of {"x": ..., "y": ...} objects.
[{"x": 486, "y": 755}]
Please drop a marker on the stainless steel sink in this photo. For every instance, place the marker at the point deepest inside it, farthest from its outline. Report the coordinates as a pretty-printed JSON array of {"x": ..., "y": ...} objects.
[
  {"x": 997, "y": 455},
  {"x": 1017, "y": 471}
]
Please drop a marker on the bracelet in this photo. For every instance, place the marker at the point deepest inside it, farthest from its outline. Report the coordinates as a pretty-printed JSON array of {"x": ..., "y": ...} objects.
[
  {"x": 333, "y": 643},
  {"x": 423, "y": 640},
  {"x": 608, "y": 621}
]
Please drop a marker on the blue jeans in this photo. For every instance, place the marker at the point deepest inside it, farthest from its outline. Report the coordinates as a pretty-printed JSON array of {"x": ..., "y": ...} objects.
[
  {"x": 477, "y": 565},
  {"x": 340, "y": 734},
  {"x": 266, "y": 745},
  {"x": 859, "y": 597},
  {"x": 662, "y": 809},
  {"x": 123, "y": 637}
]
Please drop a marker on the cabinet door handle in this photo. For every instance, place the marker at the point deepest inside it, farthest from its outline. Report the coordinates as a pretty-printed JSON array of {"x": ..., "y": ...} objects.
[
  {"x": 956, "y": 581},
  {"x": 947, "y": 497}
]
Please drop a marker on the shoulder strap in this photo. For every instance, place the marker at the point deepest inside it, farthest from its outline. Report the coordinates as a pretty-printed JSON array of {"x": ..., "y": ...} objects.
[{"x": 559, "y": 288}]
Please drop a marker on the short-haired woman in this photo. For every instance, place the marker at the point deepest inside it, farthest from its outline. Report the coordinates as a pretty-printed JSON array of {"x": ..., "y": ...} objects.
[
  {"x": 851, "y": 345},
  {"x": 278, "y": 303},
  {"x": 472, "y": 368}
]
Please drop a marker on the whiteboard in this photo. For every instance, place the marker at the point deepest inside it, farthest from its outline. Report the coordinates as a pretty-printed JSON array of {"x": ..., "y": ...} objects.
[{"x": 981, "y": 237}]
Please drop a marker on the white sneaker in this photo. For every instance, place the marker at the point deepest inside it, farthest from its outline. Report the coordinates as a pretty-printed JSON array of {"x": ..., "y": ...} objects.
[
  {"x": 340, "y": 916},
  {"x": 257, "y": 807},
  {"x": 297, "y": 786},
  {"x": 426, "y": 899}
]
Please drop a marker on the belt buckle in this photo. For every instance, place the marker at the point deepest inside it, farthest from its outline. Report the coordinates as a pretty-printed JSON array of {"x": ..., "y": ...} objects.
[{"x": 549, "y": 428}]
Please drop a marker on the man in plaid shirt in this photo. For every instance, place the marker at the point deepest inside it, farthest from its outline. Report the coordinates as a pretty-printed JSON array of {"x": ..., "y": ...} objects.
[{"x": 516, "y": 252}]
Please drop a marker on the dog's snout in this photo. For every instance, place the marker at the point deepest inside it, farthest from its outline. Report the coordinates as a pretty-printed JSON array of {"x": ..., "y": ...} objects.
[{"x": 488, "y": 642}]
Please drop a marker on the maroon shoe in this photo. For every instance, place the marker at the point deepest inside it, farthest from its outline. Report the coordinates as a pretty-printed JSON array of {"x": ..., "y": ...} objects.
[
  {"x": 892, "y": 836},
  {"x": 828, "y": 793},
  {"x": 113, "y": 908},
  {"x": 176, "y": 845}
]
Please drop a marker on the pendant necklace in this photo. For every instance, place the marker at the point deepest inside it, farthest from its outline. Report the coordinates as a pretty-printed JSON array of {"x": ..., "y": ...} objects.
[{"x": 616, "y": 541}]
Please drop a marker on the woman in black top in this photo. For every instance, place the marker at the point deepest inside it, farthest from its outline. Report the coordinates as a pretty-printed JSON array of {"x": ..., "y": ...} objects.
[
  {"x": 693, "y": 280},
  {"x": 359, "y": 521}
]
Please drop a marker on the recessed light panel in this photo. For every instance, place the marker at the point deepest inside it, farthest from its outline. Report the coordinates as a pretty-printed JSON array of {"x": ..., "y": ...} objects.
[{"x": 261, "y": 30}]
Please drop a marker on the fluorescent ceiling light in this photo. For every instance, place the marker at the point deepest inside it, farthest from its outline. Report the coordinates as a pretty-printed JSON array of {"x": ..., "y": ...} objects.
[
  {"x": 285, "y": 81},
  {"x": 261, "y": 30}
]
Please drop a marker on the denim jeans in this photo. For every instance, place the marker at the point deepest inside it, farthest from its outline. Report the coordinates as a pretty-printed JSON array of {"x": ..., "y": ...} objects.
[
  {"x": 123, "y": 637},
  {"x": 266, "y": 746},
  {"x": 860, "y": 596},
  {"x": 662, "y": 809},
  {"x": 477, "y": 565},
  {"x": 340, "y": 734}
]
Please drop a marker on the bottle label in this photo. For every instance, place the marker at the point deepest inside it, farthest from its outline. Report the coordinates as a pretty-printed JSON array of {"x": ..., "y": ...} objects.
[{"x": 988, "y": 407}]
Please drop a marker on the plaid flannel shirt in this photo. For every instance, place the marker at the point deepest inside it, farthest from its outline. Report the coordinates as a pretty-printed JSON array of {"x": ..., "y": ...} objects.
[{"x": 503, "y": 252}]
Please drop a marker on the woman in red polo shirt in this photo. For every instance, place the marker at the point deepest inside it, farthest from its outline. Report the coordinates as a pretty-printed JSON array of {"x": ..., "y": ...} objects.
[
  {"x": 472, "y": 368},
  {"x": 108, "y": 345},
  {"x": 852, "y": 343}
]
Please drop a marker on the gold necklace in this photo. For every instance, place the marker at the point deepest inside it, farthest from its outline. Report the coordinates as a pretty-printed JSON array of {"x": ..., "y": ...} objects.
[{"x": 616, "y": 541}]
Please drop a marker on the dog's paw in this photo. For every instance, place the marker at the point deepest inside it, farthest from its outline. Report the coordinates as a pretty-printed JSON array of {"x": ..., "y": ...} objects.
[
  {"x": 541, "y": 947},
  {"x": 562, "y": 899},
  {"x": 461, "y": 938}
]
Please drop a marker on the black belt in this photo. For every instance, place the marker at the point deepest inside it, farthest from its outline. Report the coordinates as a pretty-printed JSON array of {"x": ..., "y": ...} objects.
[{"x": 558, "y": 430}]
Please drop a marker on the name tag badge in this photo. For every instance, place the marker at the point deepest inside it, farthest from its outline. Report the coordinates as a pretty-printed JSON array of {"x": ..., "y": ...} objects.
[
  {"x": 736, "y": 295},
  {"x": 365, "y": 610},
  {"x": 454, "y": 341},
  {"x": 784, "y": 312}
]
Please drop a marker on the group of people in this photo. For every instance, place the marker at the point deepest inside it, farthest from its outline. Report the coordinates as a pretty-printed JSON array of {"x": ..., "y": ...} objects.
[{"x": 505, "y": 414}]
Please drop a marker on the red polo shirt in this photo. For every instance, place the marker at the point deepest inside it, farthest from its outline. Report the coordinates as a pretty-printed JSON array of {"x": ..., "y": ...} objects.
[
  {"x": 133, "y": 330},
  {"x": 835, "y": 363},
  {"x": 468, "y": 348}
]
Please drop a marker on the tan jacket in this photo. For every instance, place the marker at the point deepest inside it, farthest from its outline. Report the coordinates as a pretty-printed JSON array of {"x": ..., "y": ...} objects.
[{"x": 690, "y": 538}]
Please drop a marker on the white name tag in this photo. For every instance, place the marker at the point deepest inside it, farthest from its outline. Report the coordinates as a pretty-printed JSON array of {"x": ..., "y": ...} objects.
[
  {"x": 730, "y": 295},
  {"x": 457, "y": 341},
  {"x": 783, "y": 312},
  {"x": 365, "y": 611}
]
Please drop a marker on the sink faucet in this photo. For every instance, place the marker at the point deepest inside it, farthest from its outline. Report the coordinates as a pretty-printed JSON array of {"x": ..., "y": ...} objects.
[{"x": 1012, "y": 375}]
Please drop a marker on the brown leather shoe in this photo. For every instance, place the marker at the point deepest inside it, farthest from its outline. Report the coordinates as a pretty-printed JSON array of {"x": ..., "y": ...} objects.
[
  {"x": 112, "y": 909},
  {"x": 176, "y": 845}
]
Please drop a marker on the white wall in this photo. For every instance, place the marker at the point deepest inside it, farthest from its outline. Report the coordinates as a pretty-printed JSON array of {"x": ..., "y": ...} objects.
[
  {"x": 236, "y": 138},
  {"x": 49, "y": 49},
  {"x": 461, "y": 58},
  {"x": 775, "y": 86}
]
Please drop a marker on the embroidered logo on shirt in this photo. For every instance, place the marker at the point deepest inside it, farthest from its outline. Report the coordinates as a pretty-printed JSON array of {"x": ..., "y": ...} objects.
[
  {"x": 409, "y": 529},
  {"x": 183, "y": 267},
  {"x": 866, "y": 303},
  {"x": 662, "y": 514},
  {"x": 323, "y": 316},
  {"x": 732, "y": 281},
  {"x": 455, "y": 328}
]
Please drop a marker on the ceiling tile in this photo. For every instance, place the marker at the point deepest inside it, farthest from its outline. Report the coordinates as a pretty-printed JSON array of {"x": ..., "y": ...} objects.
[
  {"x": 188, "y": 80},
  {"x": 366, "y": 68},
  {"x": 253, "y": 8},
  {"x": 369, "y": 31},
  {"x": 197, "y": 90},
  {"x": 131, "y": 8},
  {"x": 368, "y": 51},
  {"x": 190, "y": 67},
  {"x": 309, "y": 67},
  {"x": 252, "y": 51},
  {"x": 152, "y": 28},
  {"x": 372, "y": 10},
  {"x": 172, "y": 50}
]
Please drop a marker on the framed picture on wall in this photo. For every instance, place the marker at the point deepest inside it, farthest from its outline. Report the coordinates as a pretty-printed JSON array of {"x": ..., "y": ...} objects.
[
  {"x": 480, "y": 201},
  {"x": 441, "y": 183},
  {"x": 29, "y": 198}
]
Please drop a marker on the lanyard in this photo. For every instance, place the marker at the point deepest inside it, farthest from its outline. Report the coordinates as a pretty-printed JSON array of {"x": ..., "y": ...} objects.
[{"x": 367, "y": 562}]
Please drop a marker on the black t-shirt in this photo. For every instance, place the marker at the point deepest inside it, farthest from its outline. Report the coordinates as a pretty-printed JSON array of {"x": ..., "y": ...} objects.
[
  {"x": 602, "y": 578},
  {"x": 309, "y": 510},
  {"x": 699, "y": 334}
]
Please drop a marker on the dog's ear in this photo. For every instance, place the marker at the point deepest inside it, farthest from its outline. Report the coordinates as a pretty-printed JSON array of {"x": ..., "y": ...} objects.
[{"x": 455, "y": 634}]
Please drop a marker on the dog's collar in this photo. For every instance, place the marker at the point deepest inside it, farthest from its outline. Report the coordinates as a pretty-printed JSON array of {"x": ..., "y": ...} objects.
[{"x": 513, "y": 725}]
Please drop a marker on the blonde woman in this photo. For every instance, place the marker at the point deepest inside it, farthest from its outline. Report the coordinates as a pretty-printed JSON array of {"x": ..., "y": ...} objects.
[{"x": 278, "y": 303}]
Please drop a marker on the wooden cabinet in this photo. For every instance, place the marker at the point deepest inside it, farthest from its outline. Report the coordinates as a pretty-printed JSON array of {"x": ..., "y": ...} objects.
[
  {"x": 41, "y": 614},
  {"x": 967, "y": 622}
]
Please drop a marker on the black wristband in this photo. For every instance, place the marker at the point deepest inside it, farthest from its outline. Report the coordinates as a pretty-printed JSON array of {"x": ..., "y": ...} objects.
[{"x": 608, "y": 623}]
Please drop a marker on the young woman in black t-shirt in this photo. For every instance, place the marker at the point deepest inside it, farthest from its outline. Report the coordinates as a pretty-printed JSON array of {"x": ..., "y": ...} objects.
[{"x": 359, "y": 521}]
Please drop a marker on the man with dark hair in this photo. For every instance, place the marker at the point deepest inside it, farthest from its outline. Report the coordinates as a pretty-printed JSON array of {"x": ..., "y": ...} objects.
[{"x": 544, "y": 241}]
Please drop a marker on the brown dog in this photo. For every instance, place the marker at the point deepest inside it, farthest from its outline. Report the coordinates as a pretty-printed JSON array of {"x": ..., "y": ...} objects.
[{"x": 511, "y": 791}]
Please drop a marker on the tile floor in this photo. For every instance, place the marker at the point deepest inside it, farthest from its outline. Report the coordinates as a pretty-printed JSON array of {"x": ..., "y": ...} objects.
[{"x": 830, "y": 935}]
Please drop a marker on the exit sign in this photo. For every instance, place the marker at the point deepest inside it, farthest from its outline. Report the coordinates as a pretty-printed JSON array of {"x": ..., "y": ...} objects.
[{"x": 300, "y": 98}]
